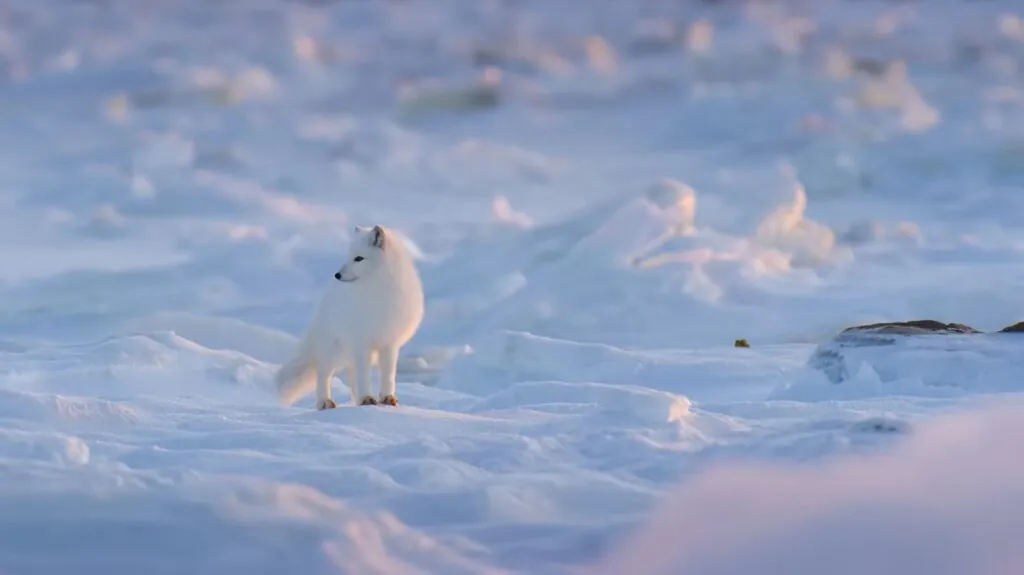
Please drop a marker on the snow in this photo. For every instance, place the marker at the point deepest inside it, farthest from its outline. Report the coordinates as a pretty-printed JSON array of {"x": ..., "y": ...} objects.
[
  {"x": 599, "y": 205},
  {"x": 944, "y": 501}
]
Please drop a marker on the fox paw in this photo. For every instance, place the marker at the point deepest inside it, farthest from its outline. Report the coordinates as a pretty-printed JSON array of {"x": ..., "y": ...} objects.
[
  {"x": 368, "y": 400},
  {"x": 322, "y": 404},
  {"x": 388, "y": 400}
]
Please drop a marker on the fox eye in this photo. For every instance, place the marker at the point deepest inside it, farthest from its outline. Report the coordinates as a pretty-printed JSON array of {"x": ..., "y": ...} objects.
[{"x": 359, "y": 258}]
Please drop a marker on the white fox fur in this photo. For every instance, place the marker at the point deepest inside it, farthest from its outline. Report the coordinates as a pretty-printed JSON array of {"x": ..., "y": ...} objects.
[{"x": 373, "y": 306}]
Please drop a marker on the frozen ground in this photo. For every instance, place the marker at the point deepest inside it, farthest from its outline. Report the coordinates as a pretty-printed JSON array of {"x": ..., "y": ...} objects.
[{"x": 604, "y": 195}]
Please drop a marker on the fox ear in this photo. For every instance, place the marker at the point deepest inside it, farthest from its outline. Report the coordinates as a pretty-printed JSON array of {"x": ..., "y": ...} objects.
[{"x": 377, "y": 237}]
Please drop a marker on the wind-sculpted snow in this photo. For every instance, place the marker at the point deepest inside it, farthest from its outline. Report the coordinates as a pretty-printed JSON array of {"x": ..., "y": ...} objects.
[
  {"x": 490, "y": 470},
  {"x": 600, "y": 197}
]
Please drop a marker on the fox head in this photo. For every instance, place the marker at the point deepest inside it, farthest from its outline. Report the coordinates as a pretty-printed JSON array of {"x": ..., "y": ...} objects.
[{"x": 365, "y": 254}]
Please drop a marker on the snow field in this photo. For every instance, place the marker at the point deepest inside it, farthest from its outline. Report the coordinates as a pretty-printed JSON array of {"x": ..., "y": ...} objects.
[{"x": 599, "y": 206}]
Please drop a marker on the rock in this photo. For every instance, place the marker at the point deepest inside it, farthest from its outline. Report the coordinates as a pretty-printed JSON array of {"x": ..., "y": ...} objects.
[
  {"x": 1015, "y": 328},
  {"x": 917, "y": 326}
]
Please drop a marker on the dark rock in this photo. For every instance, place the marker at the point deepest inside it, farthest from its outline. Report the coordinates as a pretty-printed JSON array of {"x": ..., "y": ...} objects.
[
  {"x": 1015, "y": 328},
  {"x": 917, "y": 326},
  {"x": 741, "y": 343}
]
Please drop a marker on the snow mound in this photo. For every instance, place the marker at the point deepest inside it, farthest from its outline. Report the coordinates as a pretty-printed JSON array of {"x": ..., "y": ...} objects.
[
  {"x": 121, "y": 367},
  {"x": 220, "y": 333},
  {"x": 624, "y": 403},
  {"x": 913, "y": 509},
  {"x": 43, "y": 447},
  {"x": 858, "y": 364},
  {"x": 649, "y": 251},
  {"x": 55, "y": 408},
  {"x": 786, "y": 228}
]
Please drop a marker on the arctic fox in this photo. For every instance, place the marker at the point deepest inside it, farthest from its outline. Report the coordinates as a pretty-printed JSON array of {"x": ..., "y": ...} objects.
[{"x": 373, "y": 306}]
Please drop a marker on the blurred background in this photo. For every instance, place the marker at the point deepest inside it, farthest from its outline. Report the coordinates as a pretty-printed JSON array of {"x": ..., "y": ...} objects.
[{"x": 213, "y": 156}]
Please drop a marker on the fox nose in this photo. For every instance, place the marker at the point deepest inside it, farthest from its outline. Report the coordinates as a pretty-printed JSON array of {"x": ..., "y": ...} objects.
[{"x": 337, "y": 276}]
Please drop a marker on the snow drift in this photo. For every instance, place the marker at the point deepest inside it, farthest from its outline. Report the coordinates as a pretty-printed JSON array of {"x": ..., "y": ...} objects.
[{"x": 947, "y": 501}]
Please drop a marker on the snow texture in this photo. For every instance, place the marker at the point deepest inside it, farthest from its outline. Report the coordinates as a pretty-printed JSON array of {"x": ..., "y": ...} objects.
[{"x": 600, "y": 198}]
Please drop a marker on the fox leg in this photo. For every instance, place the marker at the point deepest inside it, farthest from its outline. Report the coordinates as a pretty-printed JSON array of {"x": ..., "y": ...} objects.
[
  {"x": 323, "y": 389},
  {"x": 361, "y": 366},
  {"x": 387, "y": 363}
]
